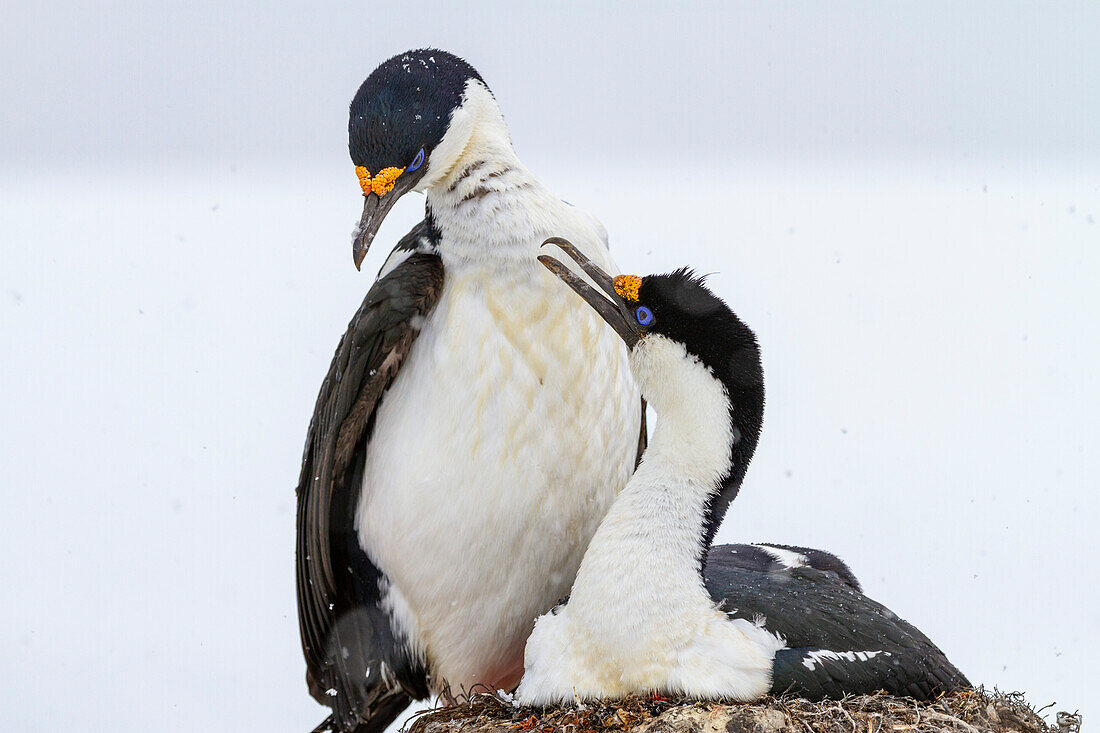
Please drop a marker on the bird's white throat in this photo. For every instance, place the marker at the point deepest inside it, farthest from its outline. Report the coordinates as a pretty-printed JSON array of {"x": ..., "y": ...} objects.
[
  {"x": 482, "y": 197},
  {"x": 693, "y": 434}
]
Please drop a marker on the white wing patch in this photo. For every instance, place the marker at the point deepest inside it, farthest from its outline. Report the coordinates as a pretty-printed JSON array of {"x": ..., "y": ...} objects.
[
  {"x": 786, "y": 558},
  {"x": 814, "y": 658},
  {"x": 399, "y": 255}
]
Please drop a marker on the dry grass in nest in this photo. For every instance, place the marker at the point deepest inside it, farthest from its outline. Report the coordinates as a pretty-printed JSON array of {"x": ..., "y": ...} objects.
[{"x": 974, "y": 711}]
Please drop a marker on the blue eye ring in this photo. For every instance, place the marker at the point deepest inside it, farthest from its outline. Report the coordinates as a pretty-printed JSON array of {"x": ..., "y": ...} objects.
[
  {"x": 644, "y": 316},
  {"x": 417, "y": 161}
]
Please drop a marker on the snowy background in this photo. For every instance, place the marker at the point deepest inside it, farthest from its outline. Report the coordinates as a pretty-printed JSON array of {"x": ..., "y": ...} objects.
[{"x": 903, "y": 202}]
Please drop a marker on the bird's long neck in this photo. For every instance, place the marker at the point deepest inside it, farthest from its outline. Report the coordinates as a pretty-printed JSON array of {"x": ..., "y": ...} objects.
[
  {"x": 488, "y": 202},
  {"x": 656, "y": 526}
]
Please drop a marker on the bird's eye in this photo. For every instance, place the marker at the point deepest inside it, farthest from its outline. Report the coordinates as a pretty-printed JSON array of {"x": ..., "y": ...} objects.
[
  {"x": 643, "y": 315},
  {"x": 417, "y": 161}
]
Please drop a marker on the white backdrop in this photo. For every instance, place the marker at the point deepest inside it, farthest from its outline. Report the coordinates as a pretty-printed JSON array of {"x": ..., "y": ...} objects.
[{"x": 902, "y": 203}]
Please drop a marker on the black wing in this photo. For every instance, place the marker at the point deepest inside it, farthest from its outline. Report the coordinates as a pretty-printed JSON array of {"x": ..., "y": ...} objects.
[
  {"x": 356, "y": 662},
  {"x": 839, "y": 640}
]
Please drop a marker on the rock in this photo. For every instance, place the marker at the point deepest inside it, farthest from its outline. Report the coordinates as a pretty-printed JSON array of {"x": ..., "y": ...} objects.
[{"x": 759, "y": 721}]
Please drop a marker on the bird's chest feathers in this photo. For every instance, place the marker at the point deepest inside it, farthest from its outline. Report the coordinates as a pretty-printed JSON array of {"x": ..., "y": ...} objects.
[
  {"x": 507, "y": 348},
  {"x": 509, "y": 378}
]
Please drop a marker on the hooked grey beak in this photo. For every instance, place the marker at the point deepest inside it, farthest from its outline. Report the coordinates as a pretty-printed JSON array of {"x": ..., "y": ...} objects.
[
  {"x": 611, "y": 308},
  {"x": 375, "y": 208}
]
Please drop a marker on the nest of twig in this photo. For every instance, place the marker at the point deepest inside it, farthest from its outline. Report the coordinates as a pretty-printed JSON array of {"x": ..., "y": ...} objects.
[{"x": 972, "y": 711}]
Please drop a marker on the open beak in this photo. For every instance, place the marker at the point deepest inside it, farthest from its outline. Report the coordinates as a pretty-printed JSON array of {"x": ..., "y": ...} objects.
[
  {"x": 609, "y": 305},
  {"x": 375, "y": 208}
]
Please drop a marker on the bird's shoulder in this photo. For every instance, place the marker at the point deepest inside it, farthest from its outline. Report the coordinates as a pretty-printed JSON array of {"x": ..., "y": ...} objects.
[
  {"x": 778, "y": 558},
  {"x": 377, "y": 338}
]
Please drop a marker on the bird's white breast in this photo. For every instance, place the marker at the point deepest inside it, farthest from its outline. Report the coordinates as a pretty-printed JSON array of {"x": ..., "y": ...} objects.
[{"x": 495, "y": 454}]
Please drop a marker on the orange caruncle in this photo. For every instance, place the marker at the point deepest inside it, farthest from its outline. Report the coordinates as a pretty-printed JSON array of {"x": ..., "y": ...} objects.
[
  {"x": 627, "y": 287},
  {"x": 384, "y": 179},
  {"x": 364, "y": 179}
]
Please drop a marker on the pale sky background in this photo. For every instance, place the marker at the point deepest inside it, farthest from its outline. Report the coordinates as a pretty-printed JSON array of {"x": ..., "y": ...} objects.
[
  {"x": 147, "y": 83},
  {"x": 902, "y": 200}
]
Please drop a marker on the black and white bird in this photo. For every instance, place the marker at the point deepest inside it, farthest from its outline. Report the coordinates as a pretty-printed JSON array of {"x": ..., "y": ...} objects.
[
  {"x": 445, "y": 500},
  {"x": 652, "y": 610}
]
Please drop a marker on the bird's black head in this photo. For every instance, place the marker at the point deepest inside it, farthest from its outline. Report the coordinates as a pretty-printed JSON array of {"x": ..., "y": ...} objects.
[
  {"x": 404, "y": 107},
  {"x": 678, "y": 306},
  {"x": 397, "y": 118}
]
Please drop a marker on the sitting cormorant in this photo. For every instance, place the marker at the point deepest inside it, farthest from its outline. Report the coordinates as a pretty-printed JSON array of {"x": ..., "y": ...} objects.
[{"x": 652, "y": 610}]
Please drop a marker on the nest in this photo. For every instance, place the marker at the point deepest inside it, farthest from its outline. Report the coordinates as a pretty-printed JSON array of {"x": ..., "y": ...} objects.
[{"x": 971, "y": 711}]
